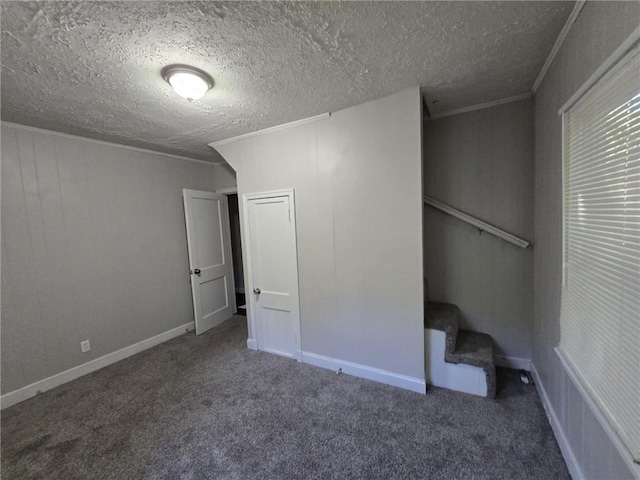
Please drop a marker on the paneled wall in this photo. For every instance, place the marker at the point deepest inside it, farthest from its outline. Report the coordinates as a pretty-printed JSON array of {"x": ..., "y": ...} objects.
[
  {"x": 481, "y": 162},
  {"x": 93, "y": 247},
  {"x": 599, "y": 29},
  {"x": 225, "y": 176},
  {"x": 357, "y": 180}
]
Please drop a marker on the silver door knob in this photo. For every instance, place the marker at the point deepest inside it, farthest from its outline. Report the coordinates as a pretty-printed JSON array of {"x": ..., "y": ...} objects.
[
  {"x": 197, "y": 271},
  {"x": 256, "y": 291}
]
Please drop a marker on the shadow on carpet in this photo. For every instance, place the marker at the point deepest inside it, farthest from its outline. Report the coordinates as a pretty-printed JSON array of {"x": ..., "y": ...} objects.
[{"x": 200, "y": 407}]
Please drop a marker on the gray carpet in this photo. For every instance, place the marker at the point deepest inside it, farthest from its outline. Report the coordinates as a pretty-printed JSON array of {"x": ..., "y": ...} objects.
[{"x": 206, "y": 407}]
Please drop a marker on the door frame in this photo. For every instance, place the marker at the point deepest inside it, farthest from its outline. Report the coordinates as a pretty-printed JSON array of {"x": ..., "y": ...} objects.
[
  {"x": 226, "y": 192},
  {"x": 252, "y": 341}
]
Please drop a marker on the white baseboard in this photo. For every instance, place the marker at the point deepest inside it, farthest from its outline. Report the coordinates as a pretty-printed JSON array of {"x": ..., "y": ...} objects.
[
  {"x": 513, "y": 362},
  {"x": 362, "y": 371},
  {"x": 556, "y": 426},
  {"x": 24, "y": 393},
  {"x": 252, "y": 344}
]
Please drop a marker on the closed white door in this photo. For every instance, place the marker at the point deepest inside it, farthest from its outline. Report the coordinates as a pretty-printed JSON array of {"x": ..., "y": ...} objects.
[
  {"x": 211, "y": 267},
  {"x": 273, "y": 277}
]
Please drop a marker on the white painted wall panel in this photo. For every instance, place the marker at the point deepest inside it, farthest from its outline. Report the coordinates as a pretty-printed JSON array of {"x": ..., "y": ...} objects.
[
  {"x": 94, "y": 247},
  {"x": 357, "y": 178},
  {"x": 599, "y": 29}
]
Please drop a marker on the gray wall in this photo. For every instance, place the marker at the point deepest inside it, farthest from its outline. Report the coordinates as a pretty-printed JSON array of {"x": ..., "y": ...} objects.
[
  {"x": 93, "y": 247},
  {"x": 600, "y": 28},
  {"x": 225, "y": 176},
  {"x": 481, "y": 162},
  {"x": 357, "y": 180}
]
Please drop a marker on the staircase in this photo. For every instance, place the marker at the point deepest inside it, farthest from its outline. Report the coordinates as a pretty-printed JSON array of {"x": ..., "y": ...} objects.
[{"x": 457, "y": 359}]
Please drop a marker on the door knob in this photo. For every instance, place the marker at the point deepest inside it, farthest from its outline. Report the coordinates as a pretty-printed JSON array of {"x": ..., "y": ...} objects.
[
  {"x": 256, "y": 291},
  {"x": 196, "y": 271}
]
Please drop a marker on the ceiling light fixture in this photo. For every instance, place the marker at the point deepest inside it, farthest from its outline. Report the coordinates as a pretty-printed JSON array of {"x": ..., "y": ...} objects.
[{"x": 188, "y": 82}]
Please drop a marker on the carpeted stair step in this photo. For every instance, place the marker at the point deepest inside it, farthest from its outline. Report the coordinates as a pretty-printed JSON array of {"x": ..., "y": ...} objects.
[
  {"x": 443, "y": 317},
  {"x": 476, "y": 349},
  {"x": 462, "y": 346}
]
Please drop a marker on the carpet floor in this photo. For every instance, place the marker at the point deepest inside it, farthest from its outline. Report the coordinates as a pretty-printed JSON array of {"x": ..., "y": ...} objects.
[{"x": 200, "y": 407}]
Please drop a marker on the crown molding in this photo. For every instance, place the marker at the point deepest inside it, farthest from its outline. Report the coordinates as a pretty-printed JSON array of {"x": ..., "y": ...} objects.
[
  {"x": 104, "y": 142},
  {"x": 481, "y": 106},
  {"x": 270, "y": 129},
  {"x": 577, "y": 8}
]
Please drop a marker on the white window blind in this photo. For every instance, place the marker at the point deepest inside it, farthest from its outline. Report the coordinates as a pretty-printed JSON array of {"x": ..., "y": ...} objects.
[{"x": 600, "y": 308}]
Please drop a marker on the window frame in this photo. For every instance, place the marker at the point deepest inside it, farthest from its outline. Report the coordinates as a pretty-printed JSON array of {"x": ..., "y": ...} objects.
[{"x": 625, "y": 52}]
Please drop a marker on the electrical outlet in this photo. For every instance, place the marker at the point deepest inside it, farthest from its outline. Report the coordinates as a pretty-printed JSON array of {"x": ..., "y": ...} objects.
[{"x": 85, "y": 346}]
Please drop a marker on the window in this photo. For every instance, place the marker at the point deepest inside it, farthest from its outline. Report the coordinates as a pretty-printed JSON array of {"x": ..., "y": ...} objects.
[{"x": 600, "y": 308}]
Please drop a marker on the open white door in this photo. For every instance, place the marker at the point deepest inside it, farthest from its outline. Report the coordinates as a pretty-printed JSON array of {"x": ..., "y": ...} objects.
[
  {"x": 211, "y": 268},
  {"x": 273, "y": 272}
]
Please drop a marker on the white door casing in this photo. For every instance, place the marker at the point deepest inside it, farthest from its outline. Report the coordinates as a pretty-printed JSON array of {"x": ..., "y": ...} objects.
[
  {"x": 210, "y": 261},
  {"x": 272, "y": 272}
]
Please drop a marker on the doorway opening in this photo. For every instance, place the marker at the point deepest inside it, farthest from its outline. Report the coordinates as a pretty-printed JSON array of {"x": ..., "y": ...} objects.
[{"x": 236, "y": 253}]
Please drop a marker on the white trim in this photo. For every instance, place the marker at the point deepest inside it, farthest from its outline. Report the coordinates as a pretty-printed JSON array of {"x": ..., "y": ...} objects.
[
  {"x": 24, "y": 393},
  {"x": 479, "y": 224},
  {"x": 612, "y": 426},
  {"x": 377, "y": 375},
  {"x": 270, "y": 129},
  {"x": 513, "y": 362},
  {"x": 577, "y": 8},
  {"x": 481, "y": 106},
  {"x": 556, "y": 426},
  {"x": 247, "y": 261},
  {"x": 602, "y": 420},
  {"x": 231, "y": 191},
  {"x": 564, "y": 212},
  {"x": 619, "y": 52},
  {"x": 252, "y": 344},
  {"x": 104, "y": 142}
]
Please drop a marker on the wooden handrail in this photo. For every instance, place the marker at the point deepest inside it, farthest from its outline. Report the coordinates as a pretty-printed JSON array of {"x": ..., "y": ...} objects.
[{"x": 482, "y": 226}]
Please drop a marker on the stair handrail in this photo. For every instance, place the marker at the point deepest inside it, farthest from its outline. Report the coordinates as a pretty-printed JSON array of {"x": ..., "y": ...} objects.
[{"x": 476, "y": 222}]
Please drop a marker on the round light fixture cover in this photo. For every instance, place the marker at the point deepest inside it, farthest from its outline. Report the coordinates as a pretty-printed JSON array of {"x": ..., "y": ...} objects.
[{"x": 188, "y": 82}]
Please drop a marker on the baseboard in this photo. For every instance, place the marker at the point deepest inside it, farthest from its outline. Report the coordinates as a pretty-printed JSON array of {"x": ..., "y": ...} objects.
[
  {"x": 362, "y": 371},
  {"x": 513, "y": 362},
  {"x": 24, "y": 393},
  {"x": 252, "y": 344},
  {"x": 556, "y": 426}
]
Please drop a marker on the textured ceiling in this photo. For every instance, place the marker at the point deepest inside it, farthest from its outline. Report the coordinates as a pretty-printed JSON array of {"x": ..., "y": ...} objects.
[{"x": 92, "y": 68}]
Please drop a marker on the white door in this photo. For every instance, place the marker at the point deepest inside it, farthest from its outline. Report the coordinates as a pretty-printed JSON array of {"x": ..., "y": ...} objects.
[
  {"x": 273, "y": 277},
  {"x": 210, "y": 264}
]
